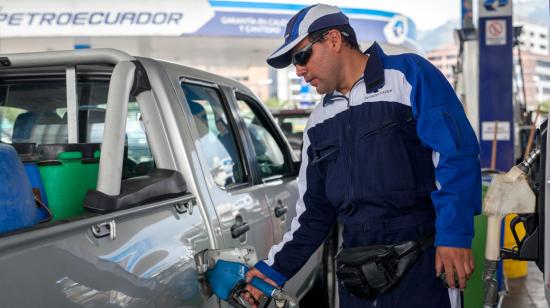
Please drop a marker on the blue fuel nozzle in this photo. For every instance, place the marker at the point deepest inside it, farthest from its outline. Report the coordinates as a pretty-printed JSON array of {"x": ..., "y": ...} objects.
[
  {"x": 263, "y": 286},
  {"x": 228, "y": 279}
]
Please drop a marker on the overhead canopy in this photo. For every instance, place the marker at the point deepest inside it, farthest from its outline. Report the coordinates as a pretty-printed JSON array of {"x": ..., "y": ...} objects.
[{"x": 202, "y": 32}]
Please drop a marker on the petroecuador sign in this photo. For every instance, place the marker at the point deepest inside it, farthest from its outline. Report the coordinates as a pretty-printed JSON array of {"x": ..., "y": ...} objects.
[
  {"x": 101, "y": 17},
  {"x": 31, "y": 18}
]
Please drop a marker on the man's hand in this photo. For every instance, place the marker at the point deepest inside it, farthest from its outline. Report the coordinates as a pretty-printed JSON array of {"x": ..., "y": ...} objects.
[
  {"x": 253, "y": 291},
  {"x": 454, "y": 261}
]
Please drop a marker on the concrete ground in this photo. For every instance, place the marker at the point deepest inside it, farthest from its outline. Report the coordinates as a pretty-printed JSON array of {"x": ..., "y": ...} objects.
[{"x": 527, "y": 292}]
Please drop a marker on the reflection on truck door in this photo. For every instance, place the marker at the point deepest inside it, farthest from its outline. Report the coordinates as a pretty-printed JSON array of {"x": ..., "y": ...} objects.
[{"x": 240, "y": 203}]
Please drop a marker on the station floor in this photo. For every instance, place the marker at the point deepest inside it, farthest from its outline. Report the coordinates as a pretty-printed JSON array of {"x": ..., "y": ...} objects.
[{"x": 527, "y": 292}]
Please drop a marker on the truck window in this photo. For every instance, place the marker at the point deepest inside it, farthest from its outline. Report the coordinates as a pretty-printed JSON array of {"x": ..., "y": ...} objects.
[
  {"x": 269, "y": 154},
  {"x": 36, "y": 112},
  {"x": 216, "y": 135},
  {"x": 8, "y": 115},
  {"x": 31, "y": 112}
]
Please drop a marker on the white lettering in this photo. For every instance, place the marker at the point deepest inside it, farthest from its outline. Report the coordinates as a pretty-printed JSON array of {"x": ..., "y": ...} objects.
[
  {"x": 233, "y": 20},
  {"x": 261, "y": 29},
  {"x": 277, "y": 22},
  {"x": 255, "y": 25}
]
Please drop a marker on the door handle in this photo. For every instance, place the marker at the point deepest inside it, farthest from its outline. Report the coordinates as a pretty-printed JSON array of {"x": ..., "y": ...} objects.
[
  {"x": 280, "y": 209},
  {"x": 239, "y": 229}
]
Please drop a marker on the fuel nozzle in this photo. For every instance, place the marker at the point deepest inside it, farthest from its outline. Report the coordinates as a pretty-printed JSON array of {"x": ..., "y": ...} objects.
[
  {"x": 508, "y": 193},
  {"x": 283, "y": 299},
  {"x": 526, "y": 164},
  {"x": 491, "y": 284},
  {"x": 228, "y": 281}
]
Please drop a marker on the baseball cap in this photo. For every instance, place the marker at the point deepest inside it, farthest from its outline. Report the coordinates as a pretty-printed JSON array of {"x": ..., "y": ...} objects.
[{"x": 306, "y": 21}]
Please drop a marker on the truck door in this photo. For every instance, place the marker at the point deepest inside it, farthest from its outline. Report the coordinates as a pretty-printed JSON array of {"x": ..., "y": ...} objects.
[
  {"x": 240, "y": 203},
  {"x": 278, "y": 175},
  {"x": 273, "y": 163}
]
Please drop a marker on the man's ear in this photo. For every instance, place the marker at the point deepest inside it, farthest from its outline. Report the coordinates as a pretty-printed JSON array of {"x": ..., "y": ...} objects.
[{"x": 335, "y": 40}]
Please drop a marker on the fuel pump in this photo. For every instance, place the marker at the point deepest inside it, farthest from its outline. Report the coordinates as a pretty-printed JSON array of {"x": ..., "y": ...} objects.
[{"x": 520, "y": 191}]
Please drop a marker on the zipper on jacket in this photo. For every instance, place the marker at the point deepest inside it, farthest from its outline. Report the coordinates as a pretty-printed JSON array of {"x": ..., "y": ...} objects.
[
  {"x": 351, "y": 142},
  {"x": 350, "y": 145},
  {"x": 347, "y": 97}
]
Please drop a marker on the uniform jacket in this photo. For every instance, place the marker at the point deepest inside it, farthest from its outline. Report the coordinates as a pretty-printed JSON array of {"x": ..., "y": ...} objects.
[{"x": 392, "y": 160}]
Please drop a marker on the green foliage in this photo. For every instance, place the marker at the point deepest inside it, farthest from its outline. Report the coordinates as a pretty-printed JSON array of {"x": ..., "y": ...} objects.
[
  {"x": 544, "y": 107},
  {"x": 275, "y": 103}
]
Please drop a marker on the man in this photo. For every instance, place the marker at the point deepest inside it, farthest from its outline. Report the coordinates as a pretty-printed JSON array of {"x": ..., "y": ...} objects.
[{"x": 389, "y": 153}]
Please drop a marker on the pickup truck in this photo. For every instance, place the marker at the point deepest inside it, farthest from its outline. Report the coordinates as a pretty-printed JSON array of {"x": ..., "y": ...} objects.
[{"x": 143, "y": 164}]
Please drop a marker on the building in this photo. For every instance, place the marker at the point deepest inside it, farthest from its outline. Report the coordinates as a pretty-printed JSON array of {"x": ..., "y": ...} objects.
[
  {"x": 534, "y": 38},
  {"x": 536, "y": 78},
  {"x": 534, "y": 42},
  {"x": 445, "y": 59}
]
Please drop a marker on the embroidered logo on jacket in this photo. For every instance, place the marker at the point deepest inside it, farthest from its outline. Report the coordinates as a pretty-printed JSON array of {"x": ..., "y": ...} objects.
[{"x": 369, "y": 96}]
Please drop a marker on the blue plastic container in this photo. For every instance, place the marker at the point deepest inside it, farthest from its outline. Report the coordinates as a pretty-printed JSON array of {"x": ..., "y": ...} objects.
[{"x": 17, "y": 206}]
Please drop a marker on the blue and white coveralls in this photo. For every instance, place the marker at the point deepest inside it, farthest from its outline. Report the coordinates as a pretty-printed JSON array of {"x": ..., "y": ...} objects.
[{"x": 393, "y": 160}]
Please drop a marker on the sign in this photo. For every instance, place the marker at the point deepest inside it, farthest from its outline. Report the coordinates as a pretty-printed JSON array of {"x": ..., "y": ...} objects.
[
  {"x": 495, "y": 8},
  {"x": 495, "y": 32},
  {"x": 84, "y": 18},
  {"x": 495, "y": 82},
  {"x": 102, "y": 17},
  {"x": 397, "y": 29},
  {"x": 488, "y": 131}
]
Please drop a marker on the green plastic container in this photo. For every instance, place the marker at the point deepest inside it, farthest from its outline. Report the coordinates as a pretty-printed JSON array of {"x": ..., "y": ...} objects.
[{"x": 66, "y": 181}]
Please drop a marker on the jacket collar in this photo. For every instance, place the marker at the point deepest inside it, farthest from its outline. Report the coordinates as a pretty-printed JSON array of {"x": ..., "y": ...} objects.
[
  {"x": 374, "y": 70},
  {"x": 373, "y": 76}
]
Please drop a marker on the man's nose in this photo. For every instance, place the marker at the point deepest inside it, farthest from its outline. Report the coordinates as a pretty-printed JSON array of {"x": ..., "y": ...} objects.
[{"x": 300, "y": 70}]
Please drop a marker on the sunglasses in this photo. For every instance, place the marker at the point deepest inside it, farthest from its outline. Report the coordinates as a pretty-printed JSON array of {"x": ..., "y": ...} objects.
[{"x": 302, "y": 56}]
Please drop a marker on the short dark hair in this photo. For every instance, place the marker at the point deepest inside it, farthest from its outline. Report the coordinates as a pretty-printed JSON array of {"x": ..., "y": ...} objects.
[{"x": 348, "y": 35}]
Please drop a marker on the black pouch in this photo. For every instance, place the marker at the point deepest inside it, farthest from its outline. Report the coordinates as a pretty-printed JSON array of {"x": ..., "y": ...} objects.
[{"x": 372, "y": 270}]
